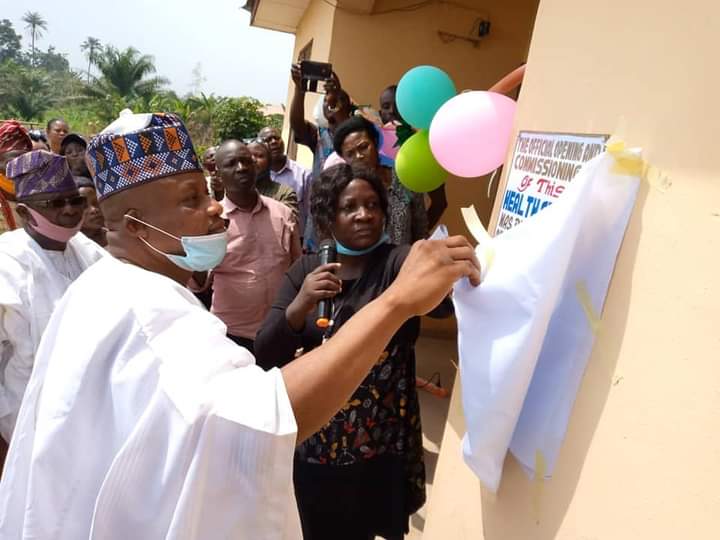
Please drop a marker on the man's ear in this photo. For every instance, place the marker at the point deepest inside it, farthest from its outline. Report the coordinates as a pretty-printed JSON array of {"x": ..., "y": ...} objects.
[
  {"x": 24, "y": 213},
  {"x": 134, "y": 227}
]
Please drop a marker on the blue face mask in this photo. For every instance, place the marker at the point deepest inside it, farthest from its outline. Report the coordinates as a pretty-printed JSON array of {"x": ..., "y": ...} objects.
[
  {"x": 343, "y": 250},
  {"x": 202, "y": 253}
]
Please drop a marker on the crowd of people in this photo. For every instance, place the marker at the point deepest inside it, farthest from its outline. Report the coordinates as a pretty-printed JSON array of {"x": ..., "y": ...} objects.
[{"x": 132, "y": 410}]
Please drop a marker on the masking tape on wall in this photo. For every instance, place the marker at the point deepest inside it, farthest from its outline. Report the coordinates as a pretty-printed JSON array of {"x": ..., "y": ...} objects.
[
  {"x": 485, "y": 249},
  {"x": 657, "y": 179},
  {"x": 629, "y": 161},
  {"x": 474, "y": 225},
  {"x": 586, "y": 302},
  {"x": 540, "y": 468}
]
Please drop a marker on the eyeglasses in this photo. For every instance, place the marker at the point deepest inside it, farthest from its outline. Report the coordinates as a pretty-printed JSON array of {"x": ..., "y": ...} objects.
[{"x": 77, "y": 200}]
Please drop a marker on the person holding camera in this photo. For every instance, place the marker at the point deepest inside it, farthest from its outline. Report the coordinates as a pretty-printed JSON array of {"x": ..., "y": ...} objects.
[{"x": 337, "y": 107}]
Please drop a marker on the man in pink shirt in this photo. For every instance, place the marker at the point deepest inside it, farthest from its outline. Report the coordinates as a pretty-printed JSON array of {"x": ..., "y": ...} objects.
[{"x": 263, "y": 241}]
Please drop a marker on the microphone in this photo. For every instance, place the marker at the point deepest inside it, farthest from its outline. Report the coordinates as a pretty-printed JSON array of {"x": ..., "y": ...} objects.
[{"x": 328, "y": 254}]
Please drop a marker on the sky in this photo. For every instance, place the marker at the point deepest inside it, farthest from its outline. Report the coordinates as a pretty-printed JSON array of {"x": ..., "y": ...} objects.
[{"x": 236, "y": 59}]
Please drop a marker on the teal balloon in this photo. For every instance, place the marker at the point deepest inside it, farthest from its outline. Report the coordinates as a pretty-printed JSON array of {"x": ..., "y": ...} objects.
[
  {"x": 416, "y": 167},
  {"x": 421, "y": 92}
]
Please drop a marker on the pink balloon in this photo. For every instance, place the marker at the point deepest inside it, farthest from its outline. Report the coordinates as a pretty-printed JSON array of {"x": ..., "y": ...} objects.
[
  {"x": 470, "y": 134},
  {"x": 389, "y": 139}
]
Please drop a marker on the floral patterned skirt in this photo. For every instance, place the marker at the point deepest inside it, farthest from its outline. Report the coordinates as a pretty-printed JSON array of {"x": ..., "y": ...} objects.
[{"x": 363, "y": 473}]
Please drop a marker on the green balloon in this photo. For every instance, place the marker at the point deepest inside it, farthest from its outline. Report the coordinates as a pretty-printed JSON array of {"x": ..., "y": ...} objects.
[{"x": 416, "y": 167}]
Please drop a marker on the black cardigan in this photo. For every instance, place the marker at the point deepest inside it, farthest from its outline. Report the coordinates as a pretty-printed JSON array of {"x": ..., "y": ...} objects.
[{"x": 276, "y": 343}]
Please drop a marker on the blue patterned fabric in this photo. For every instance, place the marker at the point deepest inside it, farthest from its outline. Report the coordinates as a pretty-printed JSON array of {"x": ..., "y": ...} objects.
[{"x": 125, "y": 160}]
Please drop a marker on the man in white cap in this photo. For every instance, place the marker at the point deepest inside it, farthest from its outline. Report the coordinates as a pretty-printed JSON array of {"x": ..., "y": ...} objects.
[{"x": 160, "y": 426}]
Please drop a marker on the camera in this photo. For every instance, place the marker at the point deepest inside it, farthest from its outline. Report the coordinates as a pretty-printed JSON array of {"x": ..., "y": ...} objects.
[{"x": 314, "y": 72}]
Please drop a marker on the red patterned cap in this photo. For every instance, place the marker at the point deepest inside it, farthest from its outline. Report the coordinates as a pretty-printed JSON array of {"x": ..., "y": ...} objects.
[{"x": 13, "y": 136}]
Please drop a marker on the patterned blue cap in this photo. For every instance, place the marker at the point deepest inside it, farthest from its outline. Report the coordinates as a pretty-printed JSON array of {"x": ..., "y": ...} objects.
[{"x": 139, "y": 148}]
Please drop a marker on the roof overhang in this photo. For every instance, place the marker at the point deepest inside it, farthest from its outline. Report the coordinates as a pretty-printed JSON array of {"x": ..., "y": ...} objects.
[
  {"x": 285, "y": 15},
  {"x": 280, "y": 15}
]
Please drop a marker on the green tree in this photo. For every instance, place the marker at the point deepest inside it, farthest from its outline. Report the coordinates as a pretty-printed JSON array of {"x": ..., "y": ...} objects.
[
  {"x": 275, "y": 120},
  {"x": 239, "y": 118},
  {"x": 126, "y": 74},
  {"x": 91, "y": 46},
  {"x": 52, "y": 62},
  {"x": 207, "y": 106},
  {"x": 69, "y": 88},
  {"x": 126, "y": 80},
  {"x": 163, "y": 101},
  {"x": 25, "y": 93},
  {"x": 9, "y": 42},
  {"x": 34, "y": 24},
  {"x": 201, "y": 121}
]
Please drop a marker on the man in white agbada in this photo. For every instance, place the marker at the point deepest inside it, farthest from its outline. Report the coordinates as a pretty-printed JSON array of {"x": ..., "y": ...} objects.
[
  {"x": 37, "y": 264},
  {"x": 158, "y": 426}
]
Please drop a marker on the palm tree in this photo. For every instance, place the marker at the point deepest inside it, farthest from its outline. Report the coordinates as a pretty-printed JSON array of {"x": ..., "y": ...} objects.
[
  {"x": 206, "y": 106},
  {"x": 125, "y": 74},
  {"x": 90, "y": 46},
  {"x": 201, "y": 121},
  {"x": 26, "y": 93},
  {"x": 35, "y": 24}
]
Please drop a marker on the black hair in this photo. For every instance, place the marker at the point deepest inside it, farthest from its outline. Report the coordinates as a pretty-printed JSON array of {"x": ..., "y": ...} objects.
[
  {"x": 354, "y": 124},
  {"x": 395, "y": 111},
  {"x": 268, "y": 127},
  {"x": 345, "y": 97},
  {"x": 37, "y": 136},
  {"x": 264, "y": 174},
  {"x": 72, "y": 138},
  {"x": 327, "y": 189},
  {"x": 342, "y": 94},
  {"x": 53, "y": 120},
  {"x": 261, "y": 143}
]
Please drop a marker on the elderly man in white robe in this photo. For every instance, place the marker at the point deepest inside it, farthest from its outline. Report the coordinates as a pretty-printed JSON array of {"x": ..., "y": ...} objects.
[
  {"x": 145, "y": 421},
  {"x": 37, "y": 264}
]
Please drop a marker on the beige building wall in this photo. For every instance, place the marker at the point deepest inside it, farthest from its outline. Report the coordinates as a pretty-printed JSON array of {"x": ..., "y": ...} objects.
[
  {"x": 370, "y": 52},
  {"x": 373, "y": 51},
  {"x": 641, "y": 459},
  {"x": 316, "y": 25}
]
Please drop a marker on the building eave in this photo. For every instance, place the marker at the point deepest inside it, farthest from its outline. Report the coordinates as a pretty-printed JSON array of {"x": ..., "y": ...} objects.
[
  {"x": 285, "y": 15},
  {"x": 279, "y": 15}
]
